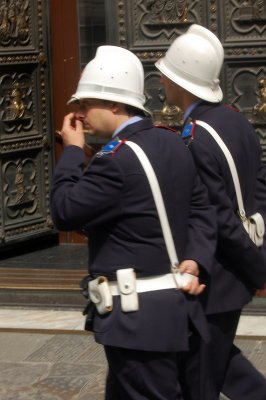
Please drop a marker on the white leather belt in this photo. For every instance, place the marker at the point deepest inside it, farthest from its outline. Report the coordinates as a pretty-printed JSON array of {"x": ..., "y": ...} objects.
[
  {"x": 149, "y": 284},
  {"x": 128, "y": 286}
]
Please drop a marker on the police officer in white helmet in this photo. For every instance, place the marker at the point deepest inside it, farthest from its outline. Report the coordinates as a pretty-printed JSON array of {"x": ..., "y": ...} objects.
[
  {"x": 144, "y": 298},
  {"x": 190, "y": 76}
]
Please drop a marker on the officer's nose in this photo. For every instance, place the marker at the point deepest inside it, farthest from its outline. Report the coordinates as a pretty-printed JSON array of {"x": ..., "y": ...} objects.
[{"x": 80, "y": 116}]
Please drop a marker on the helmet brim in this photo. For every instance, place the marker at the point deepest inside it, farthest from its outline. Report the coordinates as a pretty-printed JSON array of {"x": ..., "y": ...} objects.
[{"x": 109, "y": 97}]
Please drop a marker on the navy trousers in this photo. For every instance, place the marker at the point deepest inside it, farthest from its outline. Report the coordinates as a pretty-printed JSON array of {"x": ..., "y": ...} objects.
[
  {"x": 140, "y": 375},
  {"x": 242, "y": 380},
  {"x": 223, "y": 366}
]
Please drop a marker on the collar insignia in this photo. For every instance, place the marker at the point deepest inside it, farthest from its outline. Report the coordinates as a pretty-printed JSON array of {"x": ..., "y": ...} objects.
[
  {"x": 110, "y": 148},
  {"x": 187, "y": 133}
]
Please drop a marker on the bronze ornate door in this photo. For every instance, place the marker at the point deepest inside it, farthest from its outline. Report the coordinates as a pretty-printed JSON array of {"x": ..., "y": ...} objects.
[
  {"x": 26, "y": 143},
  {"x": 146, "y": 27}
]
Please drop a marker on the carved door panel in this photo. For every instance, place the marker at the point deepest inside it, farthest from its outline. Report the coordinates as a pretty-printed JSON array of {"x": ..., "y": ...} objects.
[
  {"x": 147, "y": 27},
  {"x": 25, "y": 127}
]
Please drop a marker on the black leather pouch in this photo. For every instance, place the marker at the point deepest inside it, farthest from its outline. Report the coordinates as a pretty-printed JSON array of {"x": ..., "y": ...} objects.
[{"x": 89, "y": 310}]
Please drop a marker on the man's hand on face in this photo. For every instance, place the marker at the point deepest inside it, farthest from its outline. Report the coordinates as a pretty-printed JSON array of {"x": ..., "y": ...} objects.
[{"x": 72, "y": 131}]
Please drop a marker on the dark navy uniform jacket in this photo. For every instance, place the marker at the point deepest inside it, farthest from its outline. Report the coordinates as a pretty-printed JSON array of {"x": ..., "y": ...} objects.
[
  {"x": 240, "y": 266},
  {"x": 112, "y": 201}
]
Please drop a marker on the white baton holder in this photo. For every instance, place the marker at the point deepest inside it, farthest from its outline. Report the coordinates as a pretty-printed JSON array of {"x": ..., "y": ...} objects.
[
  {"x": 254, "y": 225},
  {"x": 100, "y": 294},
  {"x": 126, "y": 281}
]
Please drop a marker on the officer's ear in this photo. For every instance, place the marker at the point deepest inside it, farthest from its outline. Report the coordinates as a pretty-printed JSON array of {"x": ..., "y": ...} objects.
[
  {"x": 118, "y": 108},
  {"x": 112, "y": 105}
]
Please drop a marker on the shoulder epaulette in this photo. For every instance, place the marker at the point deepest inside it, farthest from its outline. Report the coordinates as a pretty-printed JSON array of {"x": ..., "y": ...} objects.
[
  {"x": 165, "y": 127},
  {"x": 110, "y": 148},
  {"x": 188, "y": 131}
]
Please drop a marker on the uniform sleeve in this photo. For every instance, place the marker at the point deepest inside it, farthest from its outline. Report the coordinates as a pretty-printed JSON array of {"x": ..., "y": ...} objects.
[
  {"x": 243, "y": 255},
  {"x": 85, "y": 197},
  {"x": 202, "y": 231},
  {"x": 261, "y": 191},
  {"x": 261, "y": 200}
]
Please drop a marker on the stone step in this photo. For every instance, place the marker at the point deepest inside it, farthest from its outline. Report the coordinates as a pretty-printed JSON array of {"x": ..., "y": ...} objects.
[
  {"x": 50, "y": 277},
  {"x": 61, "y": 288},
  {"x": 40, "y": 278},
  {"x": 41, "y": 287}
]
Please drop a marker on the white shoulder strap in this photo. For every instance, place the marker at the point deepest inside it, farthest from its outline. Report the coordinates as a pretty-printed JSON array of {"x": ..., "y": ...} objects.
[
  {"x": 231, "y": 164},
  {"x": 155, "y": 188}
]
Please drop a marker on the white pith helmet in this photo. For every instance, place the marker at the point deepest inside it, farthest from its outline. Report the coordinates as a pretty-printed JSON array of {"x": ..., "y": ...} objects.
[
  {"x": 194, "y": 61},
  {"x": 115, "y": 74}
]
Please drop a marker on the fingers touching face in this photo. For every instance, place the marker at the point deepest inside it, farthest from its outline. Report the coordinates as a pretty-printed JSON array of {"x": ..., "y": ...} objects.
[{"x": 96, "y": 115}]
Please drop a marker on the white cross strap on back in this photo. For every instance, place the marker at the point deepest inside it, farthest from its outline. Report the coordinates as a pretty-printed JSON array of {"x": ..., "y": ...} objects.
[
  {"x": 254, "y": 224},
  {"x": 180, "y": 279},
  {"x": 231, "y": 164}
]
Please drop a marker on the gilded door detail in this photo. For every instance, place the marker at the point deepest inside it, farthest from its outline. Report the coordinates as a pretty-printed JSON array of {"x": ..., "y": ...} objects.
[{"x": 25, "y": 127}]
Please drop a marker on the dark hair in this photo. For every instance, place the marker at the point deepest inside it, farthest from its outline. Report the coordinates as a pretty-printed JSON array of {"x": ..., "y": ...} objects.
[
  {"x": 131, "y": 110},
  {"x": 134, "y": 110}
]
